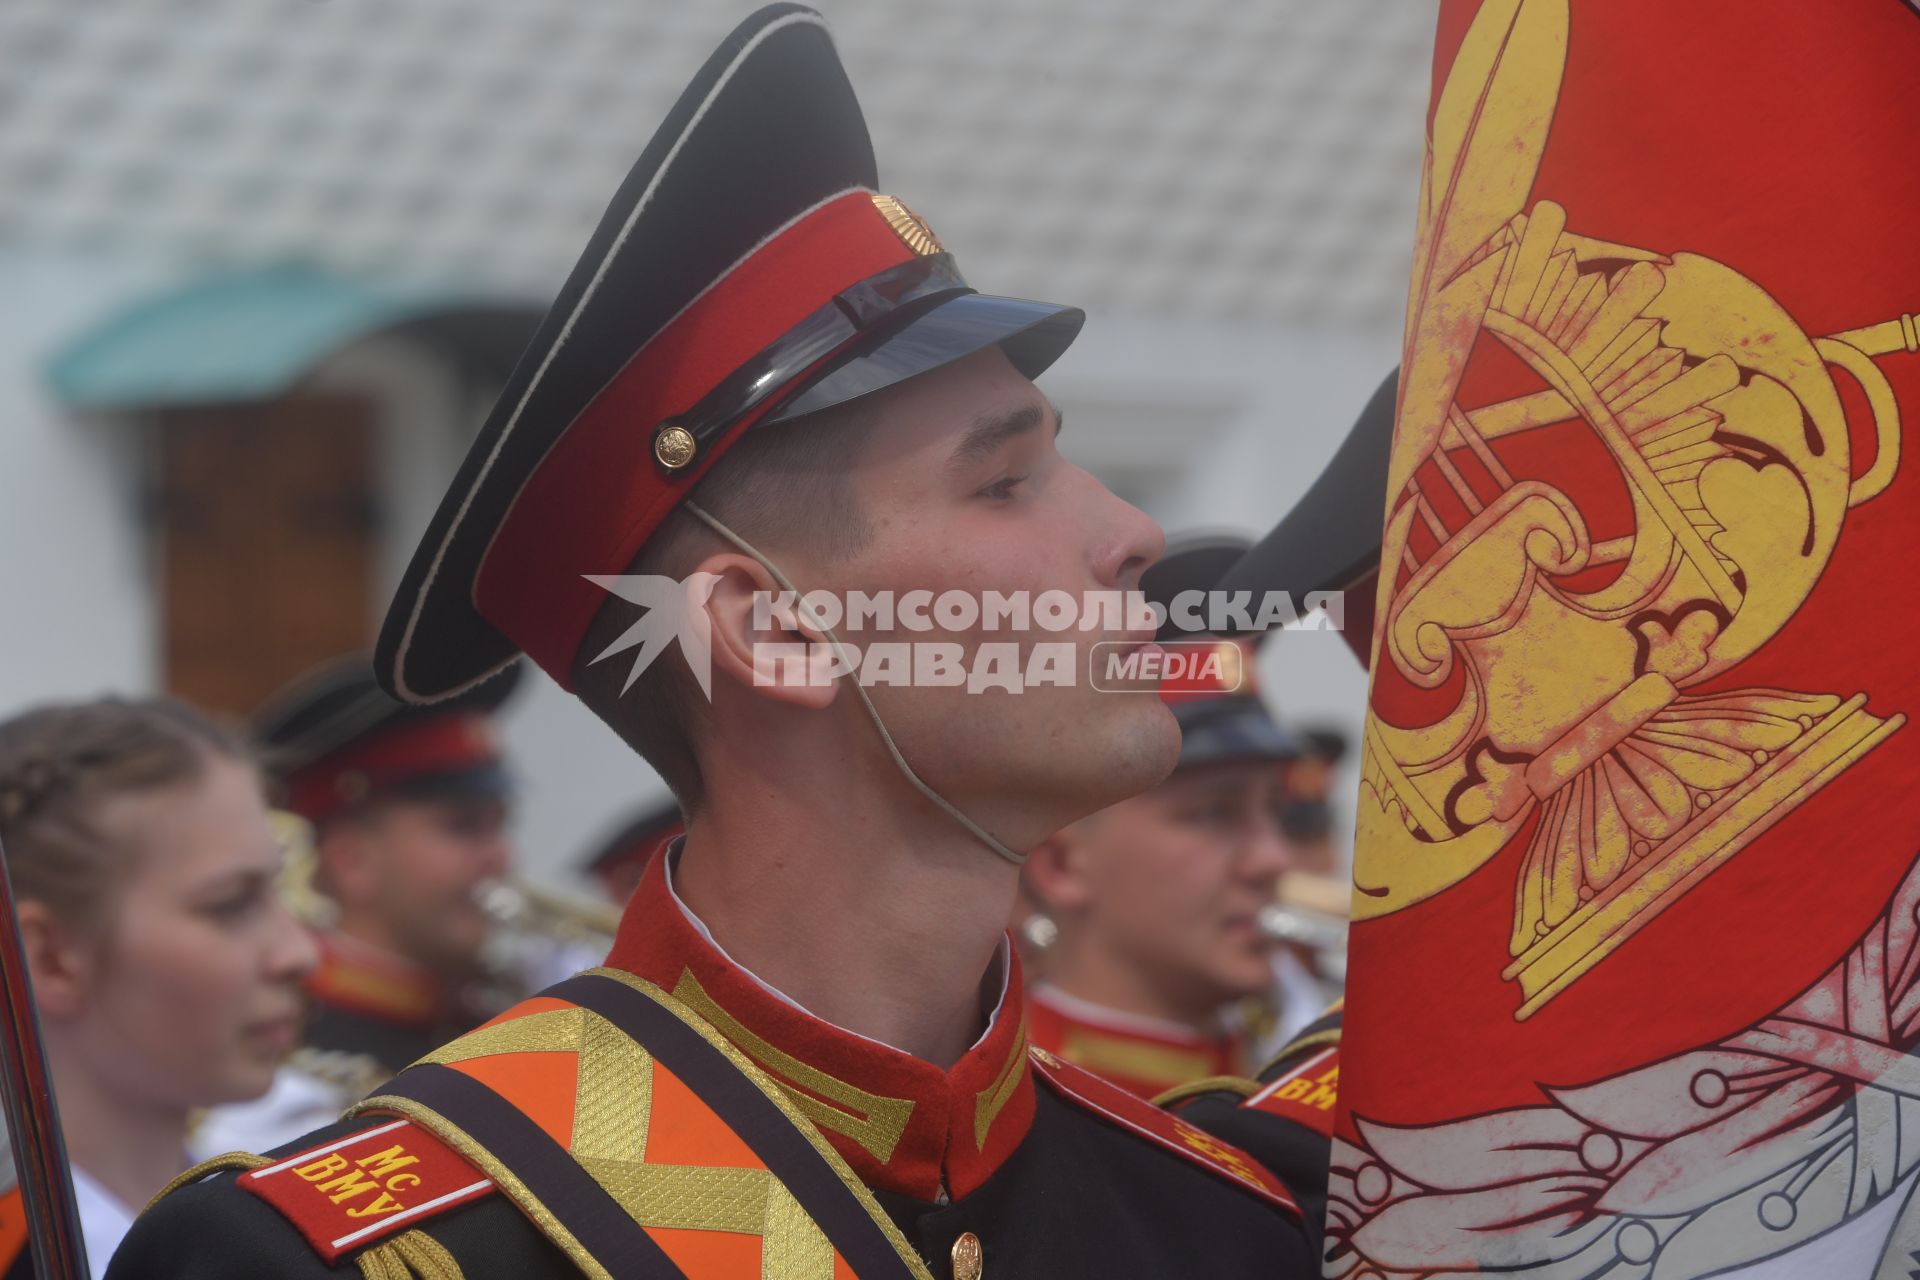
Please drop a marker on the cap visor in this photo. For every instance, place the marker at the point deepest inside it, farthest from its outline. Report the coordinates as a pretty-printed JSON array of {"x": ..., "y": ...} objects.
[{"x": 1033, "y": 334}]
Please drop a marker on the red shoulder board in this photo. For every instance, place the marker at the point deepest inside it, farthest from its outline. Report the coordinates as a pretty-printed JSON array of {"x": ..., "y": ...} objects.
[
  {"x": 1305, "y": 1094},
  {"x": 348, "y": 1193},
  {"x": 1112, "y": 1103}
]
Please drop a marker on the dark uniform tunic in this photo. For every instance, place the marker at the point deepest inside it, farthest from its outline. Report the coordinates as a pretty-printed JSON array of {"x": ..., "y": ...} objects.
[
  {"x": 377, "y": 1006},
  {"x": 1285, "y": 1116},
  {"x": 1049, "y": 1185}
]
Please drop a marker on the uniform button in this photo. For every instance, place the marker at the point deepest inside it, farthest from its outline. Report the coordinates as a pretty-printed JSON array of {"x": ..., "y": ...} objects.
[{"x": 969, "y": 1263}]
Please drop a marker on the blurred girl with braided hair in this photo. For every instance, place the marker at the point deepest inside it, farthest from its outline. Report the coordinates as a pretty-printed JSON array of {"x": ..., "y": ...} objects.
[{"x": 165, "y": 968}]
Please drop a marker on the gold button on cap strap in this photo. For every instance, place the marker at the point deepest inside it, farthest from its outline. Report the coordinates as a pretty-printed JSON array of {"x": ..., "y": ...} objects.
[{"x": 969, "y": 1260}]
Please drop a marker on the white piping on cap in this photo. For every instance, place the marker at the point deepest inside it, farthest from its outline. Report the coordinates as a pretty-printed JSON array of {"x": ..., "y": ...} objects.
[{"x": 398, "y": 673}]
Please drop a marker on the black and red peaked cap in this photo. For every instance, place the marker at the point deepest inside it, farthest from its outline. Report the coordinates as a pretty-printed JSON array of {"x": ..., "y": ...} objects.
[{"x": 747, "y": 273}]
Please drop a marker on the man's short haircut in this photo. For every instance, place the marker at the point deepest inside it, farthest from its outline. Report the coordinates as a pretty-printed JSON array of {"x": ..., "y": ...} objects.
[{"x": 782, "y": 487}]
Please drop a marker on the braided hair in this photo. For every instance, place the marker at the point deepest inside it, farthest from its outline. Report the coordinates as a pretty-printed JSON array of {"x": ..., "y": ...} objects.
[{"x": 60, "y": 763}]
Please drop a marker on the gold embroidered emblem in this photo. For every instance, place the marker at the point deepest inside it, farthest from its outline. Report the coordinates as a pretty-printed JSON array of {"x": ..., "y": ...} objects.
[
  {"x": 991, "y": 1100},
  {"x": 1577, "y": 695},
  {"x": 908, "y": 225},
  {"x": 1218, "y": 1152}
]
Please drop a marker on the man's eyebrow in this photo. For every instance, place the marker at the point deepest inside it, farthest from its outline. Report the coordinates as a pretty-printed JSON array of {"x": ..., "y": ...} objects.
[{"x": 991, "y": 430}]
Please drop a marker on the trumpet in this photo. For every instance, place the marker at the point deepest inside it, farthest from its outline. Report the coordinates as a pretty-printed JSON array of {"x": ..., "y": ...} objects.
[
  {"x": 570, "y": 918},
  {"x": 1310, "y": 912}
]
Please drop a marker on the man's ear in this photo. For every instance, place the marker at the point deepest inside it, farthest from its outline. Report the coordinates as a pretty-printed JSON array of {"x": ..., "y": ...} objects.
[
  {"x": 761, "y": 641},
  {"x": 1055, "y": 874},
  {"x": 62, "y": 961}
]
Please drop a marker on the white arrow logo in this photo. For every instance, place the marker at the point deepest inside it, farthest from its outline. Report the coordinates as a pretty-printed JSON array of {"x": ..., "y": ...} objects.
[{"x": 674, "y": 609}]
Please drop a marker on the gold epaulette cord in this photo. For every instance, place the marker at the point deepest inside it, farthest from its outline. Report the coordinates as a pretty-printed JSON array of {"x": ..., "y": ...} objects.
[
  {"x": 1240, "y": 1086},
  {"x": 412, "y": 1255},
  {"x": 218, "y": 1164}
]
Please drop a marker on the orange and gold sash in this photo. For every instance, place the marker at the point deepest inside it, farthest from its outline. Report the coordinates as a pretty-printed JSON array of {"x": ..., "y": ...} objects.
[{"x": 640, "y": 1142}]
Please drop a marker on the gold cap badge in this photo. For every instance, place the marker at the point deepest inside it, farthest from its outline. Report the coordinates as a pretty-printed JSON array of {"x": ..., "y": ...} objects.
[{"x": 908, "y": 225}]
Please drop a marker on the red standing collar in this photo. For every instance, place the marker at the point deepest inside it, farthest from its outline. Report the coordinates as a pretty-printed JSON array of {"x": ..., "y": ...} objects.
[{"x": 902, "y": 1123}]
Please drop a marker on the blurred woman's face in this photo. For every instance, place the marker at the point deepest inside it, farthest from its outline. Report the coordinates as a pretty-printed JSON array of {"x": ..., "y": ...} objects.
[{"x": 193, "y": 994}]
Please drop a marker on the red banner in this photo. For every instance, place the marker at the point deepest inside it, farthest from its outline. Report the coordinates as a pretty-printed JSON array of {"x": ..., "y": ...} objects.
[{"x": 1635, "y": 970}]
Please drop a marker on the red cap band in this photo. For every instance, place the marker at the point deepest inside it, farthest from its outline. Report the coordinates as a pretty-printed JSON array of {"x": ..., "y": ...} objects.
[
  {"x": 594, "y": 500},
  {"x": 446, "y": 743}
]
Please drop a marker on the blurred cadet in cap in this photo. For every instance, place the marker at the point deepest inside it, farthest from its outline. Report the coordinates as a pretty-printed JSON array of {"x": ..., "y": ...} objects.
[
  {"x": 618, "y": 862},
  {"x": 1155, "y": 903},
  {"x": 1329, "y": 541},
  {"x": 407, "y": 809}
]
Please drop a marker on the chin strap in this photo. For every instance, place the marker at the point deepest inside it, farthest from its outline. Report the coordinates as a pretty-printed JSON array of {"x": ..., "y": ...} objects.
[{"x": 812, "y": 617}]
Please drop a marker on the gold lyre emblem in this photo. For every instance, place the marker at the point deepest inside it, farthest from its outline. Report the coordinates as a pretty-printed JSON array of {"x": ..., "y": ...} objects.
[
  {"x": 908, "y": 225},
  {"x": 1722, "y": 419}
]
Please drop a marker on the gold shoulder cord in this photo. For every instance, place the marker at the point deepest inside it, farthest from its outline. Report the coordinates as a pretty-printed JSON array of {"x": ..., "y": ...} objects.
[
  {"x": 1296, "y": 1047},
  {"x": 1239, "y": 1085},
  {"x": 218, "y": 1164},
  {"x": 412, "y": 1255}
]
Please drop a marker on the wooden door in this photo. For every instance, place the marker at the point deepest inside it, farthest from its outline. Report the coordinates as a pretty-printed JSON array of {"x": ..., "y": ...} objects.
[{"x": 265, "y": 530}]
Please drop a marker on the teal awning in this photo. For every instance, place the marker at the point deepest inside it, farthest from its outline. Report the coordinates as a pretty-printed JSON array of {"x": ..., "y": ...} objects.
[{"x": 247, "y": 336}]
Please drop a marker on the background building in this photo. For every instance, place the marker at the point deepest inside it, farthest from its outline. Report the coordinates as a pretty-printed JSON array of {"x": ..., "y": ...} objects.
[{"x": 263, "y": 263}]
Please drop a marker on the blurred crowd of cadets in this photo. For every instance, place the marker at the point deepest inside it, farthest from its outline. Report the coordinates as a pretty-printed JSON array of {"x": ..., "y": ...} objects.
[{"x": 232, "y": 937}]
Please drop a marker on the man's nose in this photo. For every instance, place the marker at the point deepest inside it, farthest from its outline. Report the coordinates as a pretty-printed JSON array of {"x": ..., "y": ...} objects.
[
  {"x": 495, "y": 857},
  {"x": 1129, "y": 541}
]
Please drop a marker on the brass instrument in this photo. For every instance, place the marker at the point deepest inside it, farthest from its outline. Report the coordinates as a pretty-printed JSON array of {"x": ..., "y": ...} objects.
[
  {"x": 1311, "y": 912},
  {"x": 525, "y": 907},
  {"x": 540, "y": 928}
]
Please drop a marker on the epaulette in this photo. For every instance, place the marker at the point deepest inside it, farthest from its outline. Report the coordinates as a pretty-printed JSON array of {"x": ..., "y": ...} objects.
[
  {"x": 350, "y": 1193},
  {"x": 1302, "y": 1083},
  {"x": 1322, "y": 1031},
  {"x": 1167, "y": 1131}
]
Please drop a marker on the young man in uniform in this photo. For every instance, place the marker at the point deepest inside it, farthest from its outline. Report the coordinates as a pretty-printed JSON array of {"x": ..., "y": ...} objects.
[
  {"x": 408, "y": 809},
  {"x": 1155, "y": 901},
  {"x": 807, "y": 1055}
]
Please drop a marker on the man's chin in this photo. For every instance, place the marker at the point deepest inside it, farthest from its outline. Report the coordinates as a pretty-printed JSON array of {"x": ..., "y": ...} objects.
[
  {"x": 1158, "y": 737},
  {"x": 1135, "y": 750}
]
